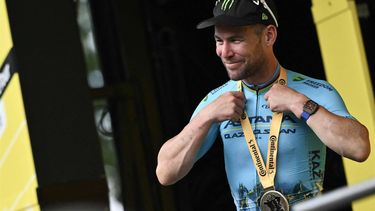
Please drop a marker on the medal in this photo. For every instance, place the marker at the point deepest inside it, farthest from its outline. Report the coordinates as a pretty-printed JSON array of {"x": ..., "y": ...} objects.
[{"x": 273, "y": 201}]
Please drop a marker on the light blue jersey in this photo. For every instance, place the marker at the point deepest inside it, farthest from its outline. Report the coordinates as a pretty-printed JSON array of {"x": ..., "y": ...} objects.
[{"x": 301, "y": 155}]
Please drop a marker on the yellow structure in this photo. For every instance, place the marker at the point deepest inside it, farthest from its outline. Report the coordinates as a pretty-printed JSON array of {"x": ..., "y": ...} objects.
[
  {"x": 18, "y": 181},
  {"x": 346, "y": 69}
]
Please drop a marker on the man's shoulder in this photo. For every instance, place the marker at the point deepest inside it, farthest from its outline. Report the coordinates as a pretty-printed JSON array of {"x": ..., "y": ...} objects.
[
  {"x": 228, "y": 86},
  {"x": 318, "y": 90},
  {"x": 303, "y": 82},
  {"x": 213, "y": 94}
]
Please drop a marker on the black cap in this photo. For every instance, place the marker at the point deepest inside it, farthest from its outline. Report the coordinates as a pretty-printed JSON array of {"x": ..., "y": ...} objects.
[{"x": 241, "y": 13}]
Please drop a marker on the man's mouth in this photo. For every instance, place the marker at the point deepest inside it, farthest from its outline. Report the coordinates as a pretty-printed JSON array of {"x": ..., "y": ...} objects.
[{"x": 232, "y": 65}]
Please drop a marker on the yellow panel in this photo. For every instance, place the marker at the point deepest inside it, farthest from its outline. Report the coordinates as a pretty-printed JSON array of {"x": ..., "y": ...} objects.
[
  {"x": 324, "y": 9},
  {"x": 17, "y": 173},
  {"x": 346, "y": 68},
  {"x": 30, "y": 208},
  {"x": 5, "y": 36}
]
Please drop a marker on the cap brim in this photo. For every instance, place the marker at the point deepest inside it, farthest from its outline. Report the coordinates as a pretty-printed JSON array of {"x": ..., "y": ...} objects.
[{"x": 226, "y": 20}]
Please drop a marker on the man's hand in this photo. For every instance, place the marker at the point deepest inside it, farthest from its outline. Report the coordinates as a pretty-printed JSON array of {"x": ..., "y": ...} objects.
[
  {"x": 281, "y": 98},
  {"x": 178, "y": 155},
  {"x": 228, "y": 106},
  {"x": 345, "y": 136}
]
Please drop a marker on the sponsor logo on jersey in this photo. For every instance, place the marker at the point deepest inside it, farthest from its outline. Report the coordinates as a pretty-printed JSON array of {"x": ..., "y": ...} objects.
[
  {"x": 317, "y": 85},
  {"x": 239, "y": 134},
  {"x": 205, "y": 98},
  {"x": 315, "y": 170},
  {"x": 214, "y": 91},
  {"x": 233, "y": 130},
  {"x": 298, "y": 78},
  {"x": 312, "y": 83},
  {"x": 265, "y": 106},
  {"x": 259, "y": 119},
  {"x": 218, "y": 89}
]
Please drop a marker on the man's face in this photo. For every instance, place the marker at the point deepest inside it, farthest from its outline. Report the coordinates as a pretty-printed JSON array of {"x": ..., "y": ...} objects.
[{"x": 240, "y": 50}]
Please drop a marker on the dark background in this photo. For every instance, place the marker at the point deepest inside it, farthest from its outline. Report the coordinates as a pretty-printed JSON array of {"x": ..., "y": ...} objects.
[{"x": 157, "y": 67}]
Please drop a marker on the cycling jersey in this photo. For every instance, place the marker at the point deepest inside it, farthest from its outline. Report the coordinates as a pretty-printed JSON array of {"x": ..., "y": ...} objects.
[{"x": 301, "y": 155}]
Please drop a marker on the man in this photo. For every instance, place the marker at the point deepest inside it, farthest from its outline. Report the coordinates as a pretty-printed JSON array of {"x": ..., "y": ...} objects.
[{"x": 274, "y": 123}]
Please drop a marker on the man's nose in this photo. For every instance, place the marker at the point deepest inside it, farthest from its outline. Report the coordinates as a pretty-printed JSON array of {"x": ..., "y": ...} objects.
[{"x": 226, "y": 50}]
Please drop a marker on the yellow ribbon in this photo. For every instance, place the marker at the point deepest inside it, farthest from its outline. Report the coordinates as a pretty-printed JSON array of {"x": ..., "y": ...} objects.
[{"x": 266, "y": 173}]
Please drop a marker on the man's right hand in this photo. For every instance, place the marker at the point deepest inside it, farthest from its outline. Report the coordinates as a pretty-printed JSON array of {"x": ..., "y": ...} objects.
[
  {"x": 177, "y": 156},
  {"x": 228, "y": 106}
]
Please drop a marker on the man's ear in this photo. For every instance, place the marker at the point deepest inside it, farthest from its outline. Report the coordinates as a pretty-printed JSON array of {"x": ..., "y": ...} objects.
[{"x": 270, "y": 35}]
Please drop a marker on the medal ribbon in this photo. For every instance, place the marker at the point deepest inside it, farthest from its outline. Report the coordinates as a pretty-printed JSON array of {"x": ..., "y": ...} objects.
[{"x": 266, "y": 173}]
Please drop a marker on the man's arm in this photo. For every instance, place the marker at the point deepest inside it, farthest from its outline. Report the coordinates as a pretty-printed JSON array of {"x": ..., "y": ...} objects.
[
  {"x": 177, "y": 156},
  {"x": 345, "y": 136}
]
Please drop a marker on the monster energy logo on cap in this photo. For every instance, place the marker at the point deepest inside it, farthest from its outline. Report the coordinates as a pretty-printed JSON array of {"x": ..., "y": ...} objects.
[
  {"x": 227, "y": 4},
  {"x": 241, "y": 13}
]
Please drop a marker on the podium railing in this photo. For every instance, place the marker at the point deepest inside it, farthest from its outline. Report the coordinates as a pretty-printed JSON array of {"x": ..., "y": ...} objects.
[{"x": 337, "y": 198}]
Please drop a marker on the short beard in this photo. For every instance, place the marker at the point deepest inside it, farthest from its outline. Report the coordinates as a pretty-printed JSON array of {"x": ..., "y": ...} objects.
[{"x": 251, "y": 70}]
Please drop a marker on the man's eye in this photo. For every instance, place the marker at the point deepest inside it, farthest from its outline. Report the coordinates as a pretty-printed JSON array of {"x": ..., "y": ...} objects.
[
  {"x": 219, "y": 41},
  {"x": 236, "y": 41}
]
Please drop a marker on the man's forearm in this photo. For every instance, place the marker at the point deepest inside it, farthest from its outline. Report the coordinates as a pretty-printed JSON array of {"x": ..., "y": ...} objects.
[
  {"x": 177, "y": 156},
  {"x": 345, "y": 136}
]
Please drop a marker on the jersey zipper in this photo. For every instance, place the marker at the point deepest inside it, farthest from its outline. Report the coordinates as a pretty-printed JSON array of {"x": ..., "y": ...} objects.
[
  {"x": 255, "y": 125},
  {"x": 256, "y": 110}
]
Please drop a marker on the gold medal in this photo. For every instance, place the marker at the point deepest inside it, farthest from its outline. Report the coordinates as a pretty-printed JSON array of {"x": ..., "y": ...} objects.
[{"x": 273, "y": 201}]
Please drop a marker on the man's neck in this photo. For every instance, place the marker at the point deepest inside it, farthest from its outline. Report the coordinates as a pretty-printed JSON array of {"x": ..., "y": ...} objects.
[{"x": 268, "y": 78}]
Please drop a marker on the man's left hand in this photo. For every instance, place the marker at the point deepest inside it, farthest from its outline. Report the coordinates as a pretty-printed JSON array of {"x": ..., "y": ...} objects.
[{"x": 281, "y": 98}]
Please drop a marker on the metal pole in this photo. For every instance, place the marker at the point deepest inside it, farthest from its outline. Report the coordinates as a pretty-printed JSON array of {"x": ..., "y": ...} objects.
[{"x": 338, "y": 198}]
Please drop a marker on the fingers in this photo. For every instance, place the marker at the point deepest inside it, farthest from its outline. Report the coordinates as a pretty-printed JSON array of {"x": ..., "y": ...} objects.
[
  {"x": 240, "y": 106},
  {"x": 237, "y": 98},
  {"x": 236, "y": 116},
  {"x": 238, "y": 94},
  {"x": 266, "y": 96},
  {"x": 230, "y": 106}
]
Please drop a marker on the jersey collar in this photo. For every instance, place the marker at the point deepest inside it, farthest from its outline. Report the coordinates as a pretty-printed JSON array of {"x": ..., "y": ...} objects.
[{"x": 257, "y": 87}]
